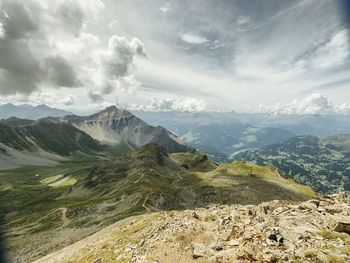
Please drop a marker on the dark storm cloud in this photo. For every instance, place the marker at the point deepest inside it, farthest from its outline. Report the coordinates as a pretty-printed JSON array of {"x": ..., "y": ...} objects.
[
  {"x": 19, "y": 20},
  {"x": 95, "y": 97},
  {"x": 20, "y": 71},
  {"x": 28, "y": 58},
  {"x": 61, "y": 73}
]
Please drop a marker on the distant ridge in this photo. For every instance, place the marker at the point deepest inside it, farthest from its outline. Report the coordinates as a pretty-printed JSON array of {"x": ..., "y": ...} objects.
[{"x": 27, "y": 111}]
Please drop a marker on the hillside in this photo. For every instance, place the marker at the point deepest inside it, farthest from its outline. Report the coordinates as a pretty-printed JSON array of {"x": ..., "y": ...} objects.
[
  {"x": 114, "y": 126},
  {"x": 77, "y": 200},
  {"x": 320, "y": 163},
  {"x": 40, "y": 142},
  {"x": 313, "y": 231}
]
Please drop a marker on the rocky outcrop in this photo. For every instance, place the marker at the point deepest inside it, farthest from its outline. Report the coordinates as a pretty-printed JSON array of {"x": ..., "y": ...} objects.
[{"x": 276, "y": 231}]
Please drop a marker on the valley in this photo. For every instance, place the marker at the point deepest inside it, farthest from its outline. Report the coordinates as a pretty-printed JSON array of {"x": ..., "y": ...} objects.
[
  {"x": 69, "y": 177},
  {"x": 99, "y": 193}
]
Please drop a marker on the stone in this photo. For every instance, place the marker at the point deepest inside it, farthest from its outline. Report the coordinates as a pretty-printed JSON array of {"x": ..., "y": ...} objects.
[
  {"x": 343, "y": 225},
  {"x": 199, "y": 250},
  {"x": 217, "y": 246},
  {"x": 333, "y": 209},
  {"x": 233, "y": 242},
  {"x": 195, "y": 215}
]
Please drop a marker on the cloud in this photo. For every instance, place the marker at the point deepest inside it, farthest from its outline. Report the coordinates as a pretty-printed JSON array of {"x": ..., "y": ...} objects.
[
  {"x": 314, "y": 104},
  {"x": 45, "y": 45},
  {"x": 113, "y": 23},
  {"x": 29, "y": 57},
  {"x": 2, "y": 31},
  {"x": 334, "y": 52},
  {"x": 116, "y": 65},
  {"x": 95, "y": 96},
  {"x": 60, "y": 72},
  {"x": 195, "y": 39},
  {"x": 68, "y": 100},
  {"x": 165, "y": 9},
  {"x": 172, "y": 104}
]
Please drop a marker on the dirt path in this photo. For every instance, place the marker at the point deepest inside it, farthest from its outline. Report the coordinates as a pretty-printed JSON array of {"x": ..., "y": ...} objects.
[
  {"x": 145, "y": 201},
  {"x": 142, "y": 175},
  {"x": 139, "y": 179}
]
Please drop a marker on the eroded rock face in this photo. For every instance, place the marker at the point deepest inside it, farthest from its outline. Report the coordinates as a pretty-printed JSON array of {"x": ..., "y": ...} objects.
[{"x": 277, "y": 231}]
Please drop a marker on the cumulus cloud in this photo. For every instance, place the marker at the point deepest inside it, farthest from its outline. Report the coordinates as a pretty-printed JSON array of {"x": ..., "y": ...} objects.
[
  {"x": 116, "y": 65},
  {"x": 44, "y": 44},
  {"x": 30, "y": 29},
  {"x": 173, "y": 104},
  {"x": 39, "y": 97},
  {"x": 195, "y": 39},
  {"x": 60, "y": 72},
  {"x": 314, "y": 104}
]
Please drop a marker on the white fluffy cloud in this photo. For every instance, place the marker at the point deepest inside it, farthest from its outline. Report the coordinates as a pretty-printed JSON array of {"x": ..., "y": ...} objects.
[
  {"x": 314, "y": 104},
  {"x": 117, "y": 63},
  {"x": 173, "y": 104},
  {"x": 195, "y": 39}
]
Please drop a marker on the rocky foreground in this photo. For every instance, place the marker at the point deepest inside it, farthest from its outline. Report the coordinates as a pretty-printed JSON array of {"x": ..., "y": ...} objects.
[{"x": 317, "y": 230}]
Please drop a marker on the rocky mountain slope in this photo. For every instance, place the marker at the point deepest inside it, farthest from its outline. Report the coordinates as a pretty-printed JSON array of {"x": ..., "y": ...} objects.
[
  {"x": 278, "y": 231},
  {"x": 115, "y": 126},
  {"x": 320, "y": 163},
  {"x": 26, "y": 111},
  {"x": 149, "y": 179},
  {"x": 41, "y": 142}
]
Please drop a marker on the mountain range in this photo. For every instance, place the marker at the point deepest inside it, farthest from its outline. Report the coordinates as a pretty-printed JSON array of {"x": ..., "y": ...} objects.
[
  {"x": 44, "y": 141},
  {"x": 307, "y": 148},
  {"x": 27, "y": 111},
  {"x": 218, "y": 134},
  {"x": 65, "y": 178}
]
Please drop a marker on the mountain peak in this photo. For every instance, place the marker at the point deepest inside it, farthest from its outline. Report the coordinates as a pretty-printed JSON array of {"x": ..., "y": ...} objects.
[
  {"x": 111, "y": 109},
  {"x": 111, "y": 112}
]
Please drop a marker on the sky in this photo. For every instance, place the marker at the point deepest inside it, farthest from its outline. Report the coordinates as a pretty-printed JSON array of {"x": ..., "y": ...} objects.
[{"x": 281, "y": 56}]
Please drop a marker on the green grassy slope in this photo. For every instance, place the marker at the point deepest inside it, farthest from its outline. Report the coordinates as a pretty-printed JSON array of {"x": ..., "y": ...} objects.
[
  {"x": 43, "y": 218},
  {"x": 59, "y": 138}
]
